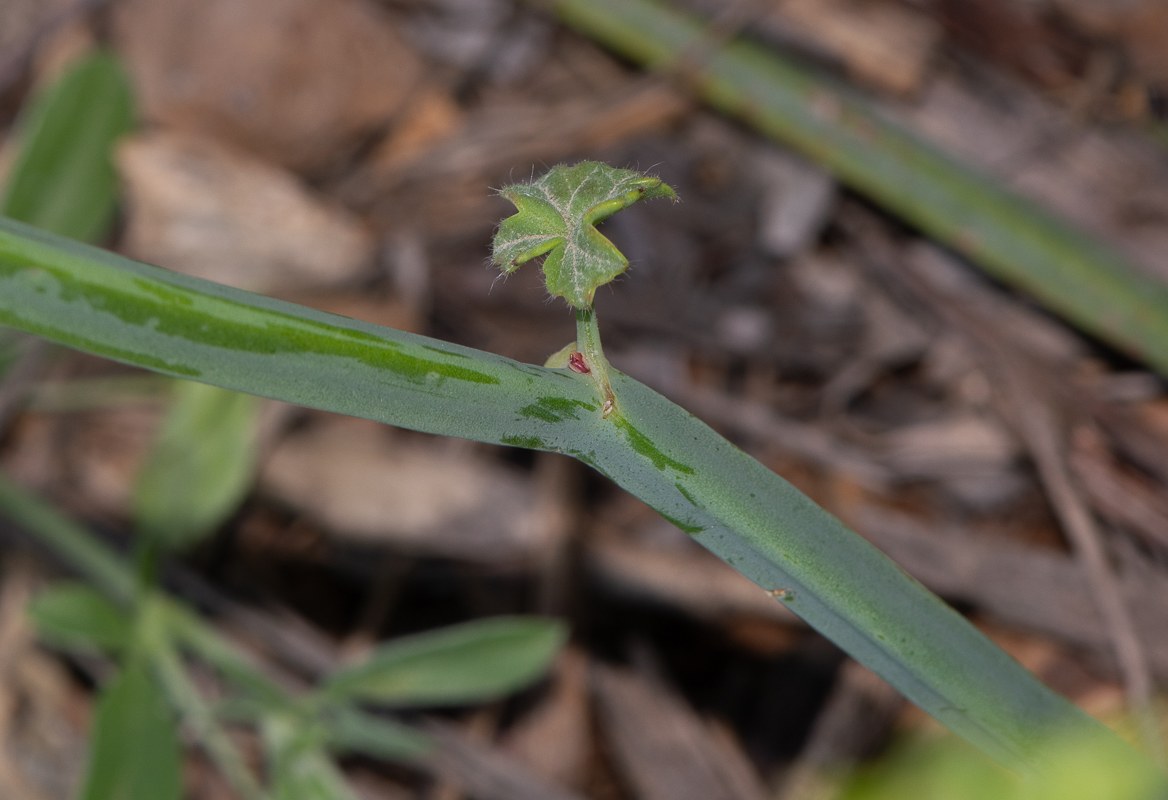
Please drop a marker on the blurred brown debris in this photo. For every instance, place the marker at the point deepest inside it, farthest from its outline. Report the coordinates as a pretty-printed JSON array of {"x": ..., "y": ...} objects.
[
  {"x": 42, "y": 713},
  {"x": 297, "y": 82},
  {"x": 856, "y": 718},
  {"x": 883, "y": 44},
  {"x": 24, "y": 24},
  {"x": 556, "y": 739},
  {"x": 368, "y": 484},
  {"x": 663, "y": 748},
  {"x": 199, "y": 207}
]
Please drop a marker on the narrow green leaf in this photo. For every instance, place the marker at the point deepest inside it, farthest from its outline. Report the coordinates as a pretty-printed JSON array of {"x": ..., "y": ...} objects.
[
  {"x": 134, "y": 745},
  {"x": 739, "y": 509},
  {"x": 72, "y": 615},
  {"x": 64, "y": 180},
  {"x": 558, "y": 215},
  {"x": 465, "y": 663},
  {"x": 201, "y": 465}
]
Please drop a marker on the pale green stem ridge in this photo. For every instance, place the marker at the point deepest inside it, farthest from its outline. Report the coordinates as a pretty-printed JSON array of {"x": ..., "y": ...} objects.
[{"x": 588, "y": 341}]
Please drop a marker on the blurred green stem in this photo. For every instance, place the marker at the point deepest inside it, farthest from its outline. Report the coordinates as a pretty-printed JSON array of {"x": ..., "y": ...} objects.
[
  {"x": 79, "y": 549},
  {"x": 69, "y": 541},
  {"x": 195, "y": 711}
]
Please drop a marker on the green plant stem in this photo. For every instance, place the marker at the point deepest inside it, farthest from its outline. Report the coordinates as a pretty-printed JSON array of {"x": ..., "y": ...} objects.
[
  {"x": 1073, "y": 274},
  {"x": 146, "y": 555},
  {"x": 588, "y": 340},
  {"x": 71, "y": 542},
  {"x": 202, "y": 641},
  {"x": 193, "y": 708}
]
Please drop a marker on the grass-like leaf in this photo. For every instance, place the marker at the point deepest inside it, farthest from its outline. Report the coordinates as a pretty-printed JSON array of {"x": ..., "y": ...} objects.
[
  {"x": 759, "y": 523},
  {"x": 348, "y": 731},
  {"x": 466, "y": 663},
  {"x": 558, "y": 215}
]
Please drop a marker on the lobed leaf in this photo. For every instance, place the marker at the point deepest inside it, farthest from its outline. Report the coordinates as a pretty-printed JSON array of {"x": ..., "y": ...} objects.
[
  {"x": 557, "y": 218},
  {"x": 465, "y": 663}
]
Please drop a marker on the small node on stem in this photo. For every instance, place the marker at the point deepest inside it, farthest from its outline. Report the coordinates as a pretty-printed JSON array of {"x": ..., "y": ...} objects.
[{"x": 577, "y": 363}]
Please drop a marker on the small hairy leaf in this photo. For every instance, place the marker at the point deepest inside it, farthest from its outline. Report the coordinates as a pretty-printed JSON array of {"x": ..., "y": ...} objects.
[
  {"x": 201, "y": 465},
  {"x": 134, "y": 751},
  {"x": 72, "y": 615},
  {"x": 461, "y": 664},
  {"x": 557, "y": 217}
]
